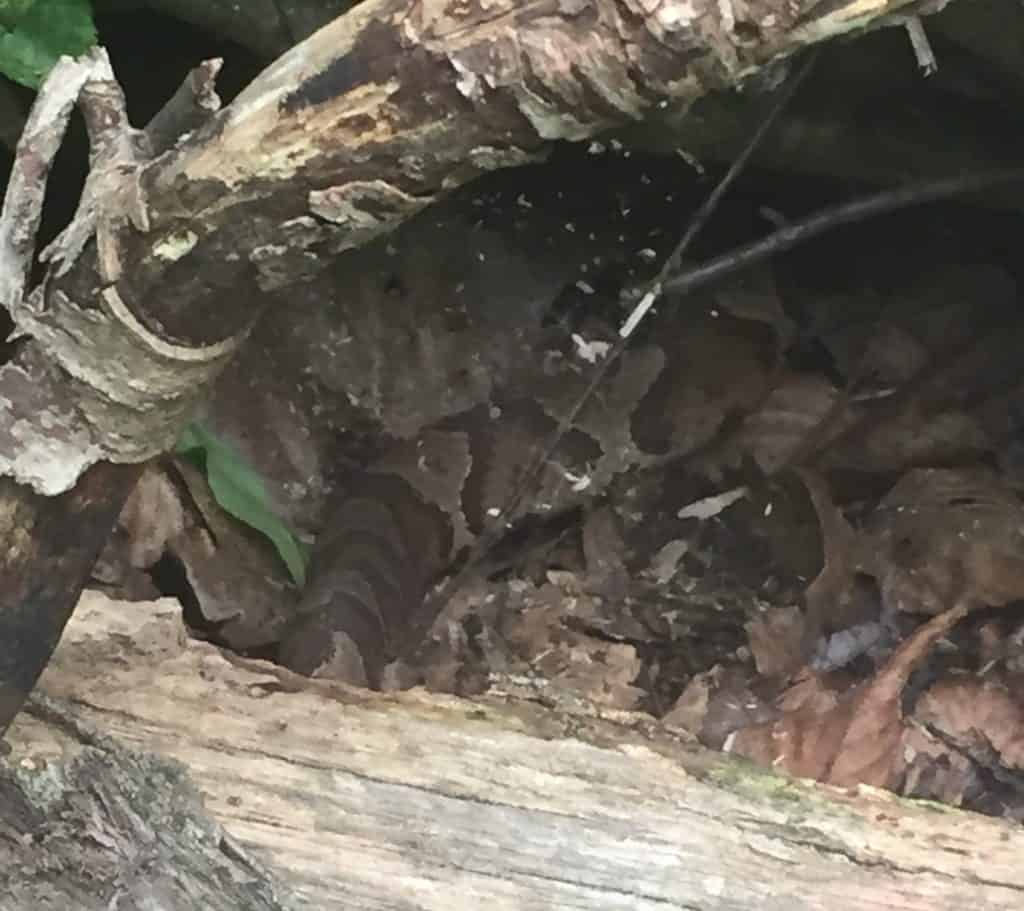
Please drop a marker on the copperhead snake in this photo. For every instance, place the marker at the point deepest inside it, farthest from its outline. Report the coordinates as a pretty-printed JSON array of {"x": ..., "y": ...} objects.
[
  {"x": 399, "y": 523},
  {"x": 465, "y": 336}
]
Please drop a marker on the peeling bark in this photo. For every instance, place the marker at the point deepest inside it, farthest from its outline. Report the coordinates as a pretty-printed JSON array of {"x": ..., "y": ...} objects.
[{"x": 107, "y": 828}]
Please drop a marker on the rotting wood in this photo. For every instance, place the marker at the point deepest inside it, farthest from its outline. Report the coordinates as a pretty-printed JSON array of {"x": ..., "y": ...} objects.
[
  {"x": 110, "y": 828},
  {"x": 416, "y": 801}
]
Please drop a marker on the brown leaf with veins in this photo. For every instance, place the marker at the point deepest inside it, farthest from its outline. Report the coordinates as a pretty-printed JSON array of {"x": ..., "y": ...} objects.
[
  {"x": 939, "y": 537},
  {"x": 859, "y": 740},
  {"x": 234, "y": 573},
  {"x": 813, "y": 693},
  {"x": 541, "y": 634},
  {"x": 944, "y": 535},
  {"x": 152, "y": 516},
  {"x": 977, "y": 713},
  {"x": 914, "y": 435}
]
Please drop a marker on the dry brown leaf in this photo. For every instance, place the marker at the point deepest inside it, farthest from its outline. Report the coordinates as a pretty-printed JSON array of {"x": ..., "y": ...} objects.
[
  {"x": 942, "y": 535},
  {"x": 249, "y": 607},
  {"x": 723, "y": 367},
  {"x": 152, "y": 516},
  {"x": 753, "y": 295},
  {"x": 718, "y": 702},
  {"x": 802, "y": 744},
  {"x": 236, "y": 579},
  {"x": 691, "y": 708},
  {"x": 812, "y": 692},
  {"x": 934, "y": 771},
  {"x": 539, "y": 635},
  {"x": 972, "y": 711},
  {"x": 939, "y": 308},
  {"x": 776, "y": 640},
  {"x": 892, "y": 357},
  {"x": 912, "y": 436},
  {"x": 787, "y": 417},
  {"x": 857, "y": 741},
  {"x": 833, "y": 600}
]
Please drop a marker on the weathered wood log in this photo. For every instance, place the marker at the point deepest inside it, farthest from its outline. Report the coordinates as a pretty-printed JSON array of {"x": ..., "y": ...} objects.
[
  {"x": 361, "y": 800},
  {"x": 108, "y": 828}
]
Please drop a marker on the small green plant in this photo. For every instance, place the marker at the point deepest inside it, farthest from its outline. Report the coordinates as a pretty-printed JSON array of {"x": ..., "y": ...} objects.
[
  {"x": 241, "y": 492},
  {"x": 35, "y": 33}
]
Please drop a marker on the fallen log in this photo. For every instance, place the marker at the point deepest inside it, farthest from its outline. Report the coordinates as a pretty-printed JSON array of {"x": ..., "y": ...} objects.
[{"x": 349, "y": 799}]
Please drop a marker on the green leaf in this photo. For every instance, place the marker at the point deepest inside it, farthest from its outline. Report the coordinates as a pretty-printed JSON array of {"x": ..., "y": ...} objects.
[
  {"x": 241, "y": 492},
  {"x": 34, "y": 33},
  {"x": 11, "y": 11}
]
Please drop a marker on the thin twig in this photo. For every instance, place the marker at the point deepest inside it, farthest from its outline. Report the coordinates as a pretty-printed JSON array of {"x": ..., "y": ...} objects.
[{"x": 799, "y": 232}]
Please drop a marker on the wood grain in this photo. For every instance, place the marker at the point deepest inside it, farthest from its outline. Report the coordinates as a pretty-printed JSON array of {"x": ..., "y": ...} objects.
[{"x": 364, "y": 800}]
